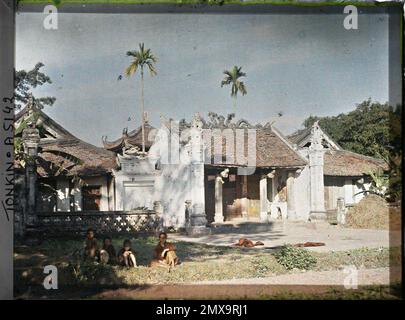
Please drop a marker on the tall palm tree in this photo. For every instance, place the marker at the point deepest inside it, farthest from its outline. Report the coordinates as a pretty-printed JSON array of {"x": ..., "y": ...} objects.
[
  {"x": 232, "y": 77},
  {"x": 141, "y": 58}
]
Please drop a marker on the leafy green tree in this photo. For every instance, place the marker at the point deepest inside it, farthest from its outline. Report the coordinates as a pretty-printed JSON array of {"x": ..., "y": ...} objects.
[
  {"x": 25, "y": 81},
  {"x": 232, "y": 78},
  {"x": 372, "y": 129},
  {"x": 365, "y": 130},
  {"x": 141, "y": 58}
]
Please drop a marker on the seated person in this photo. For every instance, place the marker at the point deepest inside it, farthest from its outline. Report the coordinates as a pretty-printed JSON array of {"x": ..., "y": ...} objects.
[
  {"x": 107, "y": 253},
  {"x": 165, "y": 252},
  {"x": 91, "y": 245},
  {"x": 125, "y": 256}
]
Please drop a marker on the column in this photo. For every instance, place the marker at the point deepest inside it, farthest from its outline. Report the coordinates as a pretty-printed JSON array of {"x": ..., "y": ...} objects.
[
  {"x": 63, "y": 199},
  {"x": 219, "y": 215},
  {"x": 77, "y": 195},
  {"x": 316, "y": 160},
  {"x": 245, "y": 200},
  {"x": 263, "y": 199},
  {"x": 291, "y": 213},
  {"x": 30, "y": 137},
  {"x": 198, "y": 220}
]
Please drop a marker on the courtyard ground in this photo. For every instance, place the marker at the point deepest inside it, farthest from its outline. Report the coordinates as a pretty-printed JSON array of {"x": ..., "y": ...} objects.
[
  {"x": 213, "y": 263},
  {"x": 336, "y": 238}
]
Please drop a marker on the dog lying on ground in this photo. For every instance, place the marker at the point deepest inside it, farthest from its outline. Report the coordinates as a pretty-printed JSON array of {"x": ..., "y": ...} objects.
[
  {"x": 243, "y": 242},
  {"x": 310, "y": 244}
]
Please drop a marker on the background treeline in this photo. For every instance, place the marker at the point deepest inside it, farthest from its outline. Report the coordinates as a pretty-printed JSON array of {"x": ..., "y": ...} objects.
[{"x": 372, "y": 129}]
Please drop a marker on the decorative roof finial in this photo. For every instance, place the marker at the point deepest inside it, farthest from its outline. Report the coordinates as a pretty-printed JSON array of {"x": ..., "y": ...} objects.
[
  {"x": 316, "y": 138},
  {"x": 197, "y": 122}
]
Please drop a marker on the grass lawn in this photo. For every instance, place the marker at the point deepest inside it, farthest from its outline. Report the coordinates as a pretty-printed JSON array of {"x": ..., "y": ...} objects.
[{"x": 199, "y": 262}]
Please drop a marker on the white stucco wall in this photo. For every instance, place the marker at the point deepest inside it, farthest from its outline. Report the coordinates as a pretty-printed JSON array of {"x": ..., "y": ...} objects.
[
  {"x": 159, "y": 178},
  {"x": 302, "y": 194}
]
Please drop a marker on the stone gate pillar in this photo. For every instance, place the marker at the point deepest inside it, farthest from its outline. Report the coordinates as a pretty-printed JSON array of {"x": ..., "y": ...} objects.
[
  {"x": 291, "y": 207},
  {"x": 245, "y": 200},
  {"x": 219, "y": 214},
  {"x": 30, "y": 138},
  {"x": 263, "y": 199},
  {"x": 198, "y": 220},
  {"x": 316, "y": 161}
]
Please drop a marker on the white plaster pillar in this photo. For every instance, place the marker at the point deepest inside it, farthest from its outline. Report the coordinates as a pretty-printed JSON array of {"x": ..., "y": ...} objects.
[
  {"x": 263, "y": 199},
  {"x": 119, "y": 191},
  {"x": 291, "y": 213},
  {"x": 219, "y": 215},
  {"x": 245, "y": 200},
  {"x": 316, "y": 161},
  {"x": 198, "y": 220},
  {"x": 63, "y": 199},
  {"x": 104, "y": 194},
  {"x": 77, "y": 196},
  {"x": 31, "y": 139}
]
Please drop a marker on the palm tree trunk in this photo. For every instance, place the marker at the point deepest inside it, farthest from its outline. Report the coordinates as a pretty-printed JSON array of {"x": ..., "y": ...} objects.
[
  {"x": 234, "y": 102},
  {"x": 143, "y": 113}
]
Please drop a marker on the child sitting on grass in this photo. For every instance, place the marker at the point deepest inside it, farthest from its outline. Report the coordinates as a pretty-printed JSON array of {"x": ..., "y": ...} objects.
[
  {"x": 91, "y": 245},
  {"x": 125, "y": 256},
  {"x": 107, "y": 253},
  {"x": 164, "y": 253}
]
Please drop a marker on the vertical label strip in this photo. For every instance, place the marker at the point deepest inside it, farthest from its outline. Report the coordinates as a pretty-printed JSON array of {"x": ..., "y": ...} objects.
[{"x": 6, "y": 147}]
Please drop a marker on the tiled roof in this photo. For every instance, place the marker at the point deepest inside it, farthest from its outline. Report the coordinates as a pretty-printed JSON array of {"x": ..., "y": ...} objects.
[
  {"x": 94, "y": 160},
  {"x": 337, "y": 161},
  {"x": 61, "y": 149},
  {"x": 346, "y": 163},
  {"x": 297, "y": 136},
  {"x": 272, "y": 150}
]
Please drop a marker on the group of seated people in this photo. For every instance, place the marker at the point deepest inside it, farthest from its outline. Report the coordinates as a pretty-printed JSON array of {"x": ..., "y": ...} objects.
[{"x": 164, "y": 252}]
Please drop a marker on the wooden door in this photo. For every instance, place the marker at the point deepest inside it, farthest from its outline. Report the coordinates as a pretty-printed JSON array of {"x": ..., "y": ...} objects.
[
  {"x": 91, "y": 198},
  {"x": 253, "y": 195},
  {"x": 231, "y": 203}
]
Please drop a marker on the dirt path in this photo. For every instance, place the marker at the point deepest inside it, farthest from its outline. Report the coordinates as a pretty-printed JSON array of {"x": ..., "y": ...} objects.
[
  {"x": 304, "y": 283},
  {"x": 378, "y": 276},
  {"x": 322, "y": 284}
]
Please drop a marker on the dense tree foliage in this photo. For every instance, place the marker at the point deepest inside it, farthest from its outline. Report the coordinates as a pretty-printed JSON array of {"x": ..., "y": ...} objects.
[
  {"x": 372, "y": 129},
  {"x": 25, "y": 81},
  {"x": 365, "y": 130}
]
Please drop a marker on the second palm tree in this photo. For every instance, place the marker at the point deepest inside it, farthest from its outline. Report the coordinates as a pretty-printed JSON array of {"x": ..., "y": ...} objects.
[
  {"x": 141, "y": 58},
  {"x": 232, "y": 77}
]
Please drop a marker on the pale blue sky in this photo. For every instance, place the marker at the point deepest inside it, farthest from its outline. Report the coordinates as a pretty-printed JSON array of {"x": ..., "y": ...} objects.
[{"x": 297, "y": 64}]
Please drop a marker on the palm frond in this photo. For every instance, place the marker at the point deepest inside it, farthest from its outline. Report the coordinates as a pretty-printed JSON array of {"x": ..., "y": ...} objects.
[
  {"x": 232, "y": 76},
  {"x": 131, "y": 69},
  {"x": 131, "y": 53},
  {"x": 241, "y": 87},
  {"x": 142, "y": 57}
]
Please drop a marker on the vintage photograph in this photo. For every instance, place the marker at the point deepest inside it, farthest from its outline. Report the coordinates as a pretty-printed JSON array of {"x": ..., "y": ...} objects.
[{"x": 206, "y": 155}]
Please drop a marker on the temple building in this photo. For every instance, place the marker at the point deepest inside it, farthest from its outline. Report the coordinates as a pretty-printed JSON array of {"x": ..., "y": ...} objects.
[{"x": 193, "y": 174}]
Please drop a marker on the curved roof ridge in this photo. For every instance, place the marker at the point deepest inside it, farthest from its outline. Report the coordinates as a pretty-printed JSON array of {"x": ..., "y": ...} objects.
[{"x": 286, "y": 141}]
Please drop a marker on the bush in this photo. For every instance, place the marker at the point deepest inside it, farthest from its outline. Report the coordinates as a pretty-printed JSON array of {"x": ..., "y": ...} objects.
[
  {"x": 89, "y": 273},
  {"x": 295, "y": 258}
]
